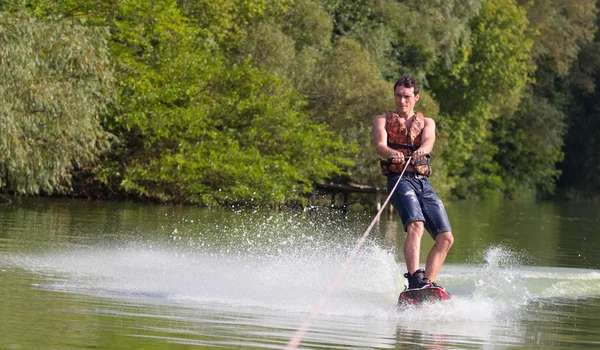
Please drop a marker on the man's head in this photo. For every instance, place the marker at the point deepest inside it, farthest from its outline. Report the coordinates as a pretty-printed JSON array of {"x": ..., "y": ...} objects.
[
  {"x": 406, "y": 94},
  {"x": 408, "y": 82}
]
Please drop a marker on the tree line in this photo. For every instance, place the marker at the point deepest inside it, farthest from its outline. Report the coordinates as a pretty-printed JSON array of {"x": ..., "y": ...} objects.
[{"x": 223, "y": 101}]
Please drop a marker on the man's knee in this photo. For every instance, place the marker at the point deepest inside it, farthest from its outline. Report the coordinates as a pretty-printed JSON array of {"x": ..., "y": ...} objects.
[
  {"x": 445, "y": 240},
  {"x": 415, "y": 228}
]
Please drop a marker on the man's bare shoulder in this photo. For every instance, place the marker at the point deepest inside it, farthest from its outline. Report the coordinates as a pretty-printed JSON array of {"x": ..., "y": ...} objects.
[
  {"x": 379, "y": 119},
  {"x": 428, "y": 121}
]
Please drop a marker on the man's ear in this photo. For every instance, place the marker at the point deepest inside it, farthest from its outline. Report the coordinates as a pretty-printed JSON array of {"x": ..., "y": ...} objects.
[{"x": 417, "y": 97}]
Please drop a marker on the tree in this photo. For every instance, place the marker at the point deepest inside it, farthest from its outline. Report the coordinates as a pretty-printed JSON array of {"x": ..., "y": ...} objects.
[
  {"x": 193, "y": 120},
  {"x": 56, "y": 81},
  {"x": 529, "y": 147},
  {"x": 564, "y": 26},
  {"x": 580, "y": 170},
  {"x": 484, "y": 82},
  {"x": 227, "y": 22},
  {"x": 204, "y": 126},
  {"x": 566, "y": 60}
]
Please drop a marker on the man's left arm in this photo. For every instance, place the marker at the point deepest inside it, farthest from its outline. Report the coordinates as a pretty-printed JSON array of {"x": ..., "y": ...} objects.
[{"x": 427, "y": 140}]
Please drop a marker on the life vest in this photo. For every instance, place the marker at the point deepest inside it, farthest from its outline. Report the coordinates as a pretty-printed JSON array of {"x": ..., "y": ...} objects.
[{"x": 404, "y": 141}]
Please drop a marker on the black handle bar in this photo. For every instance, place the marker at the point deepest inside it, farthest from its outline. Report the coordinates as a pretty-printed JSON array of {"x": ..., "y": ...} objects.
[{"x": 427, "y": 155}]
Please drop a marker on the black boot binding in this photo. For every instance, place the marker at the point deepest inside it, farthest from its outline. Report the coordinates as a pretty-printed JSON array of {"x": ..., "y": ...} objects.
[{"x": 416, "y": 280}]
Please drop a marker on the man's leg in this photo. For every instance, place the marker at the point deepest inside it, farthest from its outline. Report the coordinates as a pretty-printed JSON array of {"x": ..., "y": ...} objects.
[
  {"x": 437, "y": 255},
  {"x": 412, "y": 245}
]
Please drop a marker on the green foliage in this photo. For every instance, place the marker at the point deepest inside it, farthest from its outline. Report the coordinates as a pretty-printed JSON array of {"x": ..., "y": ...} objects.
[
  {"x": 407, "y": 36},
  {"x": 204, "y": 129},
  {"x": 355, "y": 16},
  {"x": 249, "y": 144},
  {"x": 564, "y": 26},
  {"x": 346, "y": 93},
  {"x": 565, "y": 82},
  {"x": 347, "y": 87},
  {"x": 344, "y": 88},
  {"x": 227, "y": 21},
  {"x": 529, "y": 146},
  {"x": 270, "y": 49},
  {"x": 292, "y": 46},
  {"x": 431, "y": 33},
  {"x": 580, "y": 167},
  {"x": 312, "y": 30},
  {"x": 484, "y": 82},
  {"x": 55, "y": 81},
  {"x": 255, "y": 100}
]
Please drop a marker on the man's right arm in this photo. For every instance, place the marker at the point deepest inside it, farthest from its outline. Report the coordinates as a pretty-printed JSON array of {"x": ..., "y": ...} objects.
[{"x": 380, "y": 141}]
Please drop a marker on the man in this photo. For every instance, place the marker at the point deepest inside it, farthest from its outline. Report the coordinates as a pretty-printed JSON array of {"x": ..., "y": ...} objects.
[{"x": 398, "y": 135}]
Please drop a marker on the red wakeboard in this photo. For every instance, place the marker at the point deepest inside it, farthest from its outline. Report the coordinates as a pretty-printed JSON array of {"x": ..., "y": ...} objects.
[{"x": 427, "y": 294}]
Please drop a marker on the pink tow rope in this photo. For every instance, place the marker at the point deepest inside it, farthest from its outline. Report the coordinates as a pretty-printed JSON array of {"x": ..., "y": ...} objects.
[{"x": 297, "y": 338}]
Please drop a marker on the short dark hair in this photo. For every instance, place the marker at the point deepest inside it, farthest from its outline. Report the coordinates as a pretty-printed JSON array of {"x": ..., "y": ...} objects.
[{"x": 407, "y": 81}]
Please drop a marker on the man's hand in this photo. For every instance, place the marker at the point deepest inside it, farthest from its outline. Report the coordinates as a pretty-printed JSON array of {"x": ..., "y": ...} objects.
[
  {"x": 397, "y": 157},
  {"x": 419, "y": 155}
]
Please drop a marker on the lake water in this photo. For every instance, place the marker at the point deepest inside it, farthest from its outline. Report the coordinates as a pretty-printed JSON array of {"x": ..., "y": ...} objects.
[{"x": 120, "y": 275}]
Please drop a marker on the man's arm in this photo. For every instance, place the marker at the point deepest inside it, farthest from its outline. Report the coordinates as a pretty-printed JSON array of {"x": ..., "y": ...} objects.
[
  {"x": 380, "y": 141},
  {"x": 427, "y": 140}
]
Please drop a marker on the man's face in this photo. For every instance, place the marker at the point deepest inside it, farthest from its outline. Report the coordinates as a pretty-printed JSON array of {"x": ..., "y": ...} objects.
[{"x": 405, "y": 99}]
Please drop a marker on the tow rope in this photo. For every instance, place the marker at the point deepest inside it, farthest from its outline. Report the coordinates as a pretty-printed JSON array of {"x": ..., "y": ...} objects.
[{"x": 297, "y": 338}]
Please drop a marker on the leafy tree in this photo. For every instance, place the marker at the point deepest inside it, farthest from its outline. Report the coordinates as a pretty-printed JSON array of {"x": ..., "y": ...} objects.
[
  {"x": 56, "y": 81},
  {"x": 292, "y": 45},
  {"x": 226, "y": 22},
  {"x": 270, "y": 49},
  {"x": 346, "y": 94},
  {"x": 344, "y": 88},
  {"x": 308, "y": 24},
  {"x": 529, "y": 146},
  {"x": 484, "y": 82},
  {"x": 255, "y": 100},
  {"x": 580, "y": 170},
  {"x": 431, "y": 33},
  {"x": 564, "y": 26},
  {"x": 405, "y": 36},
  {"x": 209, "y": 130},
  {"x": 565, "y": 29},
  {"x": 195, "y": 122}
]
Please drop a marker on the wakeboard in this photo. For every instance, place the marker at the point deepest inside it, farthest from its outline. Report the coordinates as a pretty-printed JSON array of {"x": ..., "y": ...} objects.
[{"x": 423, "y": 295}]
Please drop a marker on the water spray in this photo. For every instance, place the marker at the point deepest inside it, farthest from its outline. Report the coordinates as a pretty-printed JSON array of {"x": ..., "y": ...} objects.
[{"x": 297, "y": 338}]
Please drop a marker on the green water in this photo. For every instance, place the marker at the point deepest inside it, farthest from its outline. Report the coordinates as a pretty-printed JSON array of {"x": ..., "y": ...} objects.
[{"x": 112, "y": 275}]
